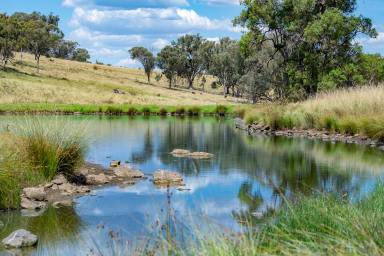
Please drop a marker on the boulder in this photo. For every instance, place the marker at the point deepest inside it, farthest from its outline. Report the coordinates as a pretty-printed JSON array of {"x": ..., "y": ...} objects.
[
  {"x": 180, "y": 152},
  {"x": 63, "y": 203},
  {"x": 127, "y": 172},
  {"x": 32, "y": 205},
  {"x": 162, "y": 177},
  {"x": 37, "y": 193},
  {"x": 200, "y": 155},
  {"x": 97, "y": 179},
  {"x": 115, "y": 163},
  {"x": 59, "y": 179},
  {"x": 20, "y": 238}
]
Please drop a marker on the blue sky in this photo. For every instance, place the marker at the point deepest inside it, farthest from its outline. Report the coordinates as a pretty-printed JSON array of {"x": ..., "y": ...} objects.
[{"x": 109, "y": 28}]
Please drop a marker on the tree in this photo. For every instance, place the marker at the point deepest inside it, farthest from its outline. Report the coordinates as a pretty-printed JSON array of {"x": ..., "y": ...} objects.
[
  {"x": 191, "y": 47},
  {"x": 64, "y": 49},
  {"x": 372, "y": 68},
  {"x": 226, "y": 63},
  {"x": 311, "y": 37},
  {"x": 7, "y": 39},
  {"x": 145, "y": 57},
  {"x": 169, "y": 60},
  {"x": 42, "y": 35},
  {"x": 81, "y": 55}
]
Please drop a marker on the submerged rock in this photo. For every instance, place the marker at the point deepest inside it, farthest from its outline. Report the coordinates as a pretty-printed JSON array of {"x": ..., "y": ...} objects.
[
  {"x": 162, "y": 177},
  {"x": 30, "y": 204},
  {"x": 200, "y": 155},
  {"x": 63, "y": 203},
  {"x": 128, "y": 172},
  {"x": 37, "y": 193},
  {"x": 20, "y": 238}
]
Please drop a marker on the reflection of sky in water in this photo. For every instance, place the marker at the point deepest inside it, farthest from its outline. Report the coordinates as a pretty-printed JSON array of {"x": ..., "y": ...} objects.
[{"x": 247, "y": 174}]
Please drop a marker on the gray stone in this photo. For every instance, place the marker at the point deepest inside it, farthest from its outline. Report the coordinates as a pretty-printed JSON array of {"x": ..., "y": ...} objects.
[
  {"x": 32, "y": 213},
  {"x": 59, "y": 179},
  {"x": 162, "y": 177},
  {"x": 97, "y": 179},
  {"x": 20, "y": 238},
  {"x": 55, "y": 187},
  {"x": 83, "y": 189},
  {"x": 35, "y": 193},
  {"x": 30, "y": 204},
  {"x": 127, "y": 172},
  {"x": 67, "y": 188}
]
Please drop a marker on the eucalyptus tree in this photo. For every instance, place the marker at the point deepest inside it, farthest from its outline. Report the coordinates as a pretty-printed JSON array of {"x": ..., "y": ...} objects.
[
  {"x": 192, "y": 49},
  {"x": 64, "y": 49},
  {"x": 311, "y": 37},
  {"x": 146, "y": 58},
  {"x": 170, "y": 60},
  {"x": 7, "y": 39},
  {"x": 81, "y": 55}
]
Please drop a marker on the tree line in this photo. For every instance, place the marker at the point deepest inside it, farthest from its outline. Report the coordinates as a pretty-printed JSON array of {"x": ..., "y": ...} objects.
[
  {"x": 292, "y": 49},
  {"x": 37, "y": 34}
]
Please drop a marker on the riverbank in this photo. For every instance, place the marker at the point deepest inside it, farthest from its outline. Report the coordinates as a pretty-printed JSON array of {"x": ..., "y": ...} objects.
[
  {"x": 352, "y": 116},
  {"x": 116, "y": 109}
]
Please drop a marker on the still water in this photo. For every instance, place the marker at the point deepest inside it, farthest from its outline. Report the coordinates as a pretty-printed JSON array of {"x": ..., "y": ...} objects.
[{"x": 247, "y": 175}]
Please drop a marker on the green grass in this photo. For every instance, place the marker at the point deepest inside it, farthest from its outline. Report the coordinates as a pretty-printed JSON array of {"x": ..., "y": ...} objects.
[
  {"x": 117, "y": 109},
  {"x": 33, "y": 152}
]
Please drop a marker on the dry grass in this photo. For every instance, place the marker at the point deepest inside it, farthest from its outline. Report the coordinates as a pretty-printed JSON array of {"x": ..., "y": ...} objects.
[{"x": 69, "y": 82}]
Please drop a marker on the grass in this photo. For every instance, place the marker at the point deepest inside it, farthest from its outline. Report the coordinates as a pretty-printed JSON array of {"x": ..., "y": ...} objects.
[
  {"x": 70, "y": 82},
  {"x": 33, "y": 152},
  {"x": 349, "y": 111}
]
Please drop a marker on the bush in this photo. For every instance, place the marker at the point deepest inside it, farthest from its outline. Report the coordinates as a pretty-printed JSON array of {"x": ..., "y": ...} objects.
[
  {"x": 194, "y": 111},
  {"x": 146, "y": 111},
  {"x": 221, "y": 110},
  {"x": 180, "y": 111},
  {"x": 163, "y": 112},
  {"x": 132, "y": 111}
]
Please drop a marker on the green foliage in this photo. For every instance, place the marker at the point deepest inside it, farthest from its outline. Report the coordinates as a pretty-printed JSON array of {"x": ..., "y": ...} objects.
[
  {"x": 221, "y": 110},
  {"x": 81, "y": 55},
  {"x": 193, "y": 111},
  {"x": 146, "y": 58},
  {"x": 170, "y": 60}
]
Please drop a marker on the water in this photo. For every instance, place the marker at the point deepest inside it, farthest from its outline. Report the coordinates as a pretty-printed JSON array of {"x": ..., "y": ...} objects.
[{"x": 247, "y": 175}]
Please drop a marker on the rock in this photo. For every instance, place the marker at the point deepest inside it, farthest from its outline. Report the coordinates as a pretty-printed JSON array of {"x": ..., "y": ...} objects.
[
  {"x": 55, "y": 187},
  {"x": 67, "y": 188},
  {"x": 48, "y": 185},
  {"x": 63, "y": 203},
  {"x": 32, "y": 213},
  {"x": 200, "y": 155},
  {"x": 20, "y": 238},
  {"x": 115, "y": 163},
  {"x": 59, "y": 179},
  {"x": 83, "y": 189},
  {"x": 180, "y": 152},
  {"x": 97, "y": 179},
  {"x": 32, "y": 205},
  {"x": 127, "y": 172},
  {"x": 35, "y": 193},
  {"x": 162, "y": 177}
]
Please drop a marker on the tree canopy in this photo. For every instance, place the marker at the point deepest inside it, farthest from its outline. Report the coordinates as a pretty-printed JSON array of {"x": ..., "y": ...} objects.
[{"x": 146, "y": 58}]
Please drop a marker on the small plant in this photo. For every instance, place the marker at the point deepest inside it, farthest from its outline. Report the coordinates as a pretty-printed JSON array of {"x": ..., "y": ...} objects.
[{"x": 221, "y": 110}]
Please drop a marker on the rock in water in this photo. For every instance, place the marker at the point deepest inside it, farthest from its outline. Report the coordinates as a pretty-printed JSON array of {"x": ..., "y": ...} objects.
[
  {"x": 35, "y": 193},
  {"x": 32, "y": 213},
  {"x": 20, "y": 238},
  {"x": 127, "y": 172},
  {"x": 115, "y": 163},
  {"x": 180, "y": 152},
  {"x": 63, "y": 203},
  {"x": 200, "y": 155},
  {"x": 162, "y": 177},
  {"x": 32, "y": 205}
]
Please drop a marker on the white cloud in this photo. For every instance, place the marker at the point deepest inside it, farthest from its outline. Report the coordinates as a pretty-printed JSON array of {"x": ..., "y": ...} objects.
[
  {"x": 124, "y": 3},
  {"x": 128, "y": 62},
  {"x": 160, "y": 43},
  {"x": 378, "y": 40},
  {"x": 223, "y": 2}
]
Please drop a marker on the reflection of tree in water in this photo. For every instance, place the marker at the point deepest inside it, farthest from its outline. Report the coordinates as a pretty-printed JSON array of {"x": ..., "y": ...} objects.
[{"x": 148, "y": 149}]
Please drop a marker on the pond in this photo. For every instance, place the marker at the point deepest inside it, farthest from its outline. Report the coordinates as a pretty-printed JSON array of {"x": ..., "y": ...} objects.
[{"x": 248, "y": 176}]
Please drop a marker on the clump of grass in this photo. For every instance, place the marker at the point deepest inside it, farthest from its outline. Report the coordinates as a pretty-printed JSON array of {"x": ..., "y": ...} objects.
[
  {"x": 179, "y": 111},
  {"x": 163, "y": 112},
  {"x": 146, "y": 111},
  {"x": 132, "y": 111},
  {"x": 193, "y": 111},
  {"x": 221, "y": 110},
  {"x": 111, "y": 110}
]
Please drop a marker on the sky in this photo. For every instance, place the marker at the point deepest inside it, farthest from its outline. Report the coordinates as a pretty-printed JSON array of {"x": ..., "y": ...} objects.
[{"x": 109, "y": 28}]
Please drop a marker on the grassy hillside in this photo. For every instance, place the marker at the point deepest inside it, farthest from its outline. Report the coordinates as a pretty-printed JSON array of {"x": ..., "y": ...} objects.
[{"x": 70, "y": 82}]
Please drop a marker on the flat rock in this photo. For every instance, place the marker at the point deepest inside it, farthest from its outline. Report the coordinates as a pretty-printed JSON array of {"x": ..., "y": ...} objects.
[
  {"x": 32, "y": 213},
  {"x": 162, "y": 177},
  {"x": 37, "y": 193},
  {"x": 128, "y": 172},
  {"x": 83, "y": 189},
  {"x": 200, "y": 155},
  {"x": 67, "y": 188},
  {"x": 63, "y": 203},
  {"x": 32, "y": 205},
  {"x": 20, "y": 238},
  {"x": 180, "y": 152},
  {"x": 59, "y": 179},
  {"x": 94, "y": 179}
]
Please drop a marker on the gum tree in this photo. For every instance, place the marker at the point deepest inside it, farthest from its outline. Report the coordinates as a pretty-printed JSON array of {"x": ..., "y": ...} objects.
[{"x": 146, "y": 58}]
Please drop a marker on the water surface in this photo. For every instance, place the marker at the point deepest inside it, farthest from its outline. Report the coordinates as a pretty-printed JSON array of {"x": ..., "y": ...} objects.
[{"x": 247, "y": 175}]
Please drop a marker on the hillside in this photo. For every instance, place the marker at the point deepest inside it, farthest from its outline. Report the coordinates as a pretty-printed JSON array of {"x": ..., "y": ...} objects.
[{"x": 69, "y": 82}]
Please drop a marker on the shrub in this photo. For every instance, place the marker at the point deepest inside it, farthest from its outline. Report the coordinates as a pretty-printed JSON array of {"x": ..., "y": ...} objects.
[
  {"x": 180, "y": 111},
  {"x": 221, "y": 110},
  {"x": 163, "y": 112},
  {"x": 194, "y": 111},
  {"x": 132, "y": 111},
  {"x": 146, "y": 111}
]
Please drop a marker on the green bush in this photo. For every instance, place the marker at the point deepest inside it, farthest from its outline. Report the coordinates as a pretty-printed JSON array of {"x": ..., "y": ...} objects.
[
  {"x": 132, "y": 111},
  {"x": 163, "y": 112},
  {"x": 221, "y": 110},
  {"x": 193, "y": 111}
]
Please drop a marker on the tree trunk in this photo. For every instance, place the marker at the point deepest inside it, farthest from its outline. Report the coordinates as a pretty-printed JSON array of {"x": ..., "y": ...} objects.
[
  {"x": 21, "y": 54},
  {"x": 170, "y": 83},
  {"x": 149, "y": 77},
  {"x": 190, "y": 83},
  {"x": 38, "y": 65}
]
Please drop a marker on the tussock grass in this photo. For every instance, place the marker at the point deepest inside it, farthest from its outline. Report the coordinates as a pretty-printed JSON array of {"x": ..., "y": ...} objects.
[
  {"x": 33, "y": 152},
  {"x": 348, "y": 111}
]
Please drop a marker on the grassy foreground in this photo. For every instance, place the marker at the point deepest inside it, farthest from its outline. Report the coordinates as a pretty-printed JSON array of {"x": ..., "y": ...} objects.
[
  {"x": 34, "y": 152},
  {"x": 351, "y": 111}
]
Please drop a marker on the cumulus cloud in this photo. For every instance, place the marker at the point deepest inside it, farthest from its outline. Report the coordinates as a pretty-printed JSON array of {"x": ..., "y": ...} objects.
[
  {"x": 124, "y": 3},
  {"x": 223, "y": 2}
]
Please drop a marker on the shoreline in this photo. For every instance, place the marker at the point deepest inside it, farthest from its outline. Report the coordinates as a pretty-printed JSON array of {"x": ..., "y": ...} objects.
[{"x": 260, "y": 129}]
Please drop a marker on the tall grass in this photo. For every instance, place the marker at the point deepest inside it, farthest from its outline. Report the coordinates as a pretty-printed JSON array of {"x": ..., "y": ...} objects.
[
  {"x": 349, "y": 111},
  {"x": 33, "y": 152}
]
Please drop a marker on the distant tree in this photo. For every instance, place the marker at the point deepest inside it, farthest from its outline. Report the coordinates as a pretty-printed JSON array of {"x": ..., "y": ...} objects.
[
  {"x": 372, "y": 68},
  {"x": 146, "y": 58},
  {"x": 192, "y": 49},
  {"x": 42, "y": 34},
  {"x": 7, "y": 39},
  {"x": 170, "y": 60},
  {"x": 81, "y": 55},
  {"x": 64, "y": 49},
  {"x": 227, "y": 64}
]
